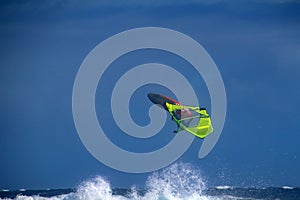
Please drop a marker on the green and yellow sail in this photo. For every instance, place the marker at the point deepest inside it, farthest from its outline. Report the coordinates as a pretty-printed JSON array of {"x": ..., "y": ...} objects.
[{"x": 192, "y": 119}]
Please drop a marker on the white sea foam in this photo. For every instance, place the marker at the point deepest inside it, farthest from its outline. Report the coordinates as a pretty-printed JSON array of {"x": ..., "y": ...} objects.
[
  {"x": 223, "y": 187},
  {"x": 98, "y": 188},
  {"x": 287, "y": 187},
  {"x": 176, "y": 182},
  {"x": 21, "y": 197},
  {"x": 179, "y": 181}
]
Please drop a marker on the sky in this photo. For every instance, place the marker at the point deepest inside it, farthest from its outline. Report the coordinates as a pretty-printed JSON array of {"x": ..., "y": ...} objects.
[{"x": 255, "y": 44}]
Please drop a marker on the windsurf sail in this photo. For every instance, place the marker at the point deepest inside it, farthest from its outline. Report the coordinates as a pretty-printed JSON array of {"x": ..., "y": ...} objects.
[{"x": 192, "y": 119}]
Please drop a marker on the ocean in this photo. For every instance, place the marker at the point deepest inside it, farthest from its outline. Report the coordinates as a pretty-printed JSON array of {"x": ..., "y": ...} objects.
[
  {"x": 177, "y": 182},
  {"x": 229, "y": 193}
]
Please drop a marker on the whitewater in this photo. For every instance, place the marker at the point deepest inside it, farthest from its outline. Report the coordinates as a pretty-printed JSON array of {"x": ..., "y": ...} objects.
[{"x": 179, "y": 181}]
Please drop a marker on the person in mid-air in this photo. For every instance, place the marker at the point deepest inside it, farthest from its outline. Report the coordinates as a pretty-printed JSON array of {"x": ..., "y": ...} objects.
[{"x": 181, "y": 114}]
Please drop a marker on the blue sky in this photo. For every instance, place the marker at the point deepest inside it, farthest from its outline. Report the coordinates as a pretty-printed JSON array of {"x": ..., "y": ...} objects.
[{"x": 255, "y": 44}]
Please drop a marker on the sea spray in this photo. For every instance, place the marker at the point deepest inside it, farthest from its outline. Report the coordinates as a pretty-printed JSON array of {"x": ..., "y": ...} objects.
[
  {"x": 178, "y": 181},
  {"x": 96, "y": 189}
]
